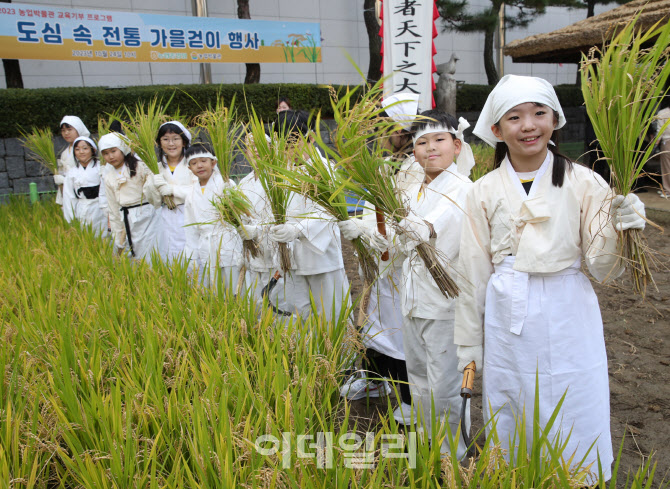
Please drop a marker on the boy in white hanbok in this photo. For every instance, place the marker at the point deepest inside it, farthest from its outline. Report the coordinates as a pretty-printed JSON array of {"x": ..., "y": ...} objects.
[
  {"x": 214, "y": 247},
  {"x": 83, "y": 195},
  {"x": 435, "y": 217},
  {"x": 529, "y": 224}
]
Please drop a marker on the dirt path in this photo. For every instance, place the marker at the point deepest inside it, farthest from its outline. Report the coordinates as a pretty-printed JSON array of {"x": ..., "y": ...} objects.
[{"x": 637, "y": 336}]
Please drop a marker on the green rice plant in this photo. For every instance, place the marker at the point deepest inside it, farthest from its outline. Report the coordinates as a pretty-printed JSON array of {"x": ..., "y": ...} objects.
[
  {"x": 141, "y": 129},
  {"x": 265, "y": 160},
  {"x": 370, "y": 175},
  {"x": 225, "y": 133},
  {"x": 105, "y": 121},
  {"x": 484, "y": 161},
  {"x": 623, "y": 84},
  {"x": 232, "y": 207},
  {"x": 41, "y": 146},
  {"x": 321, "y": 182}
]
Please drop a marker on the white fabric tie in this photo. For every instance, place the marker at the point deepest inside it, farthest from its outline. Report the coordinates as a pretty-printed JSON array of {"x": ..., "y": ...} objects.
[
  {"x": 466, "y": 158},
  {"x": 520, "y": 282}
]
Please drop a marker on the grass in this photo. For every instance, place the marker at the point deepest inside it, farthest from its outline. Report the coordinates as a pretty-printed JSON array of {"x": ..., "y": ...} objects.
[{"x": 115, "y": 375}]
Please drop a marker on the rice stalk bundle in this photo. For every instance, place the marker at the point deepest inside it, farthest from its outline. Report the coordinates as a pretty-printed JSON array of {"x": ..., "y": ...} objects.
[
  {"x": 225, "y": 133},
  {"x": 362, "y": 157},
  {"x": 231, "y": 207},
  {"x": 321, "y": 182},
  {"x": 105, "y": 122},
  {"x": 141, "y": 130},
  {"x": 484, "y": 163},
  {"x": 623, "y": 84},
  {"x": 41, "y": 146},
  {"x": 267, "y": 157}
]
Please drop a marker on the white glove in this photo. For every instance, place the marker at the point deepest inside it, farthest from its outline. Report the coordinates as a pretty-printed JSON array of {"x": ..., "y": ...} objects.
[
  {"x": 628, "y": 212},
  {"x": 249, "y": 231},
  {"x": 284, "y": 233},
  {"x": 467, "y": 354},
  {"x": 59, "y": 179},
  {"x": 412, "y": 234},
  {"x": 351, "y": 228},
  {"x": 377, "y": 241},
  {"x": 159, "y": 180},
  {"x": 165, "y": 189}
]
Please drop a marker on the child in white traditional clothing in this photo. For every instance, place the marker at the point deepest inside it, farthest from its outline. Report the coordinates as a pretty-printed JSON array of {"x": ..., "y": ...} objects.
[
  {"x": 83, "y": 198},
  {"x": 382, "y": 332},
  {"x": 435, "y": 217},
  {"x": 133, "y": 200},
  {"x": 175, "y": 180},
  {"x": 529, "y": 224},
  {"x": 215, "y": 247},
  {"x": 317, "y": 267},
  {"x": 71, "y": 127}
]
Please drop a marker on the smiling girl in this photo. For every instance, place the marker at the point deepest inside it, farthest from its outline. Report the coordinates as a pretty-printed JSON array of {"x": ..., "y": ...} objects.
[
  {"x": 175, "y": 179},
  {"x": 529, "y": 224},
  {"x": 83, "y": 199}
]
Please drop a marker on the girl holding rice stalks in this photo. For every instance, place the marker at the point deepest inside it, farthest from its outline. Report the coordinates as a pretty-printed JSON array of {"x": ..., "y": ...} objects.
[
  {"x": 529, "y": 224},
  {"x": 317, "y": 267},
  {"x": 133, "y": 200},
  {"x": 213, "y": 245},
  {"x": 71, "y": 127},
  {"x": 83, "y": 197},
  {"x": 175, "y": 180}
]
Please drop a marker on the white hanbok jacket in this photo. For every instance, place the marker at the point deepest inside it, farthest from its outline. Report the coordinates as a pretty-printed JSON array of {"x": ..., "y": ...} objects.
[
  {"x": 209, "y": 242},
  {"x": 123, "y": 191},
  {"x": 76, "y": 205},
  {"x": 64, "y": 163},
  {"x": 182, "y": 180},
  {"x": 440, "y": 203}
]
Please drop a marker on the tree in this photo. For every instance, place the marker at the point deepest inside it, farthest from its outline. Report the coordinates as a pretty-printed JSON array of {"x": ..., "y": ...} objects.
[
  {"x": 590, "y": 5},
  {"x": 455, "y": 16},
  {"x": 13, "y": 77},
  {"x": 253, "y": 69},
  {"x": 374, "y": 41}
]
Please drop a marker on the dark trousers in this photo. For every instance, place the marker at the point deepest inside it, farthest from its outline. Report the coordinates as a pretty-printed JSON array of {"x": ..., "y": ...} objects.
[{"x": 378, "y": 364}]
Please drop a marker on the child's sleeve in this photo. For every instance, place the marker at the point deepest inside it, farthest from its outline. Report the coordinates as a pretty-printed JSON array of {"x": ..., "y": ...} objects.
[
  {"x": 69, "y": 200},
  {"x": 115, "y": 220},
  {"x": 191, "y": 230},
  {"x": 598, "y": 236},
  {"x": 474, "y": 270}
]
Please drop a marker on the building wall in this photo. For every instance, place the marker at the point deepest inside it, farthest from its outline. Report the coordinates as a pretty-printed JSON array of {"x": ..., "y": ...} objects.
[{"x": 343, "y": 34}]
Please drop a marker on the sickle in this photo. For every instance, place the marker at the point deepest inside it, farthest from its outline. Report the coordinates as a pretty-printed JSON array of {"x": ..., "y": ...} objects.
[
  {"x": 466, "y": 393},
  {"x": 381, "y": 227},
  {"x": 266, "y": 292}
]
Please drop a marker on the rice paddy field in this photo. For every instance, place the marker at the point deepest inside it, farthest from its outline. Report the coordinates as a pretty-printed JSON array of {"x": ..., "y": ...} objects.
[{"x": 115, "y": 375}]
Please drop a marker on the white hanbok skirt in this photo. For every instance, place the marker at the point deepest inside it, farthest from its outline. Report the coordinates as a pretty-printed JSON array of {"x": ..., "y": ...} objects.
[{"x": 547, "y": 325}]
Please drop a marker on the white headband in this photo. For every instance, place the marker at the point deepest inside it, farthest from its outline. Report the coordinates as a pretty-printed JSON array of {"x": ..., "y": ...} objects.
[
  {"x": 76, "y": 122},
  {"x": 402, "y": 108},
  {"x": 465, "y": 159},
  {"x": 186, "y": 132},
  {"x": 114, "y": 140},
  {"x": 201, "y": 154},
  {"x": 88, "y": 140},
  {"x": 513, "y": 90}
]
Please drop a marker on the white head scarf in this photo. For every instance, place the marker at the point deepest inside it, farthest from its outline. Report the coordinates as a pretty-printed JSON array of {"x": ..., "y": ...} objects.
[
  {"x": 114, "y": 140},
  {"x": 402, "y": 108},
  {"x": 88, "y": 140},
  {"x": 200, "y": 154},
  {"x": 513, "y": 90},
  {"x": 77, "y": 123},
  {"x": 181, "y": 126},
  {"x": 465, "y": 159}
]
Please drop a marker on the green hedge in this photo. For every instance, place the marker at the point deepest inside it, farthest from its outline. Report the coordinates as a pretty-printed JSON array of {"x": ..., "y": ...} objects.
[{"x": 46, "y": 106}]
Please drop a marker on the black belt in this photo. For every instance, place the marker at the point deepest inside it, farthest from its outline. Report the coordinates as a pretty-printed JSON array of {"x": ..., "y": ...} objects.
[
  {"x": 89, "y": 192},
  {"x": 127, "y": 224}
]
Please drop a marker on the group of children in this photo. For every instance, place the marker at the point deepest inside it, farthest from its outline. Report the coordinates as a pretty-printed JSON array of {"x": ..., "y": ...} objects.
[{"x": 514, "y": 241}]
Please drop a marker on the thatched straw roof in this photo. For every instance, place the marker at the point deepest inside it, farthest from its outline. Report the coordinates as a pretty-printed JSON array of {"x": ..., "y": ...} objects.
[{"x": 566, "y": 45}]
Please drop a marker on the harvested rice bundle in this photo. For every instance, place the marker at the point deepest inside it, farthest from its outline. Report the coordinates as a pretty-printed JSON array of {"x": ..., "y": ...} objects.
[
  {"x": 41, "y": 146},
  {"x": 270, "y": 155},
  {"x": 141, "y": 129},
  {"x": 225, "y": 133},
  {"x": 623, "y": 84},
  {"x": 232, "y": 207}
]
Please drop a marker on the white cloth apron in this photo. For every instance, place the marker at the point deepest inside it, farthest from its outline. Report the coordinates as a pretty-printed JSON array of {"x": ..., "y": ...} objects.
[
  {"x": 145, "y": 222},
  {"x": 172, "y": 231},
  {"x": 549, "y": 324},
  {"x": 383, "y": 329}
]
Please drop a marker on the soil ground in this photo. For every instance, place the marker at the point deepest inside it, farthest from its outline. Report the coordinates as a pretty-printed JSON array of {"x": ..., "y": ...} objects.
[{"x": 637, "y": 337}]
